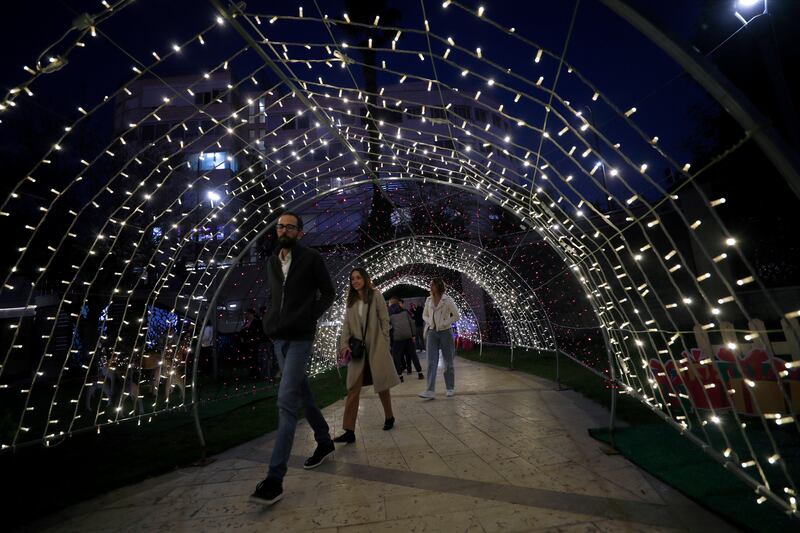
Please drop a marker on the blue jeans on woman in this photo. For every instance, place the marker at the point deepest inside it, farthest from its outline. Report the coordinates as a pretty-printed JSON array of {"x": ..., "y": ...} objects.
[
  {"x": 294, "y": 392},
  {"x": 440, "y": 340}
]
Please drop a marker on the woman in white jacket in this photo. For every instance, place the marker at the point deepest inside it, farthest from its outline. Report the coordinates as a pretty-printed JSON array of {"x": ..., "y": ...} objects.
[{"x": 439, "y": 315}]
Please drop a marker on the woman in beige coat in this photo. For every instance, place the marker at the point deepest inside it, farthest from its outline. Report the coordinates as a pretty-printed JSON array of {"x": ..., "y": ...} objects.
[{"x": 366, "y": 307}]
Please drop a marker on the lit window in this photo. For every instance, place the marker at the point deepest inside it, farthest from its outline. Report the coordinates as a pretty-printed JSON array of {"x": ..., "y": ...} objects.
[{"x": 212, "y": 161}]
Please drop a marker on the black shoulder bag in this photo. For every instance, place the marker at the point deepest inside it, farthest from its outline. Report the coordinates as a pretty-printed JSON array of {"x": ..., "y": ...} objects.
[{"x": 358, "y": 347}]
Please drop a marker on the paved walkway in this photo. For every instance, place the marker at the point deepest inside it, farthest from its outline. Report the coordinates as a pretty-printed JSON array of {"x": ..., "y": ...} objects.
[{"x": 507, "y": 453}]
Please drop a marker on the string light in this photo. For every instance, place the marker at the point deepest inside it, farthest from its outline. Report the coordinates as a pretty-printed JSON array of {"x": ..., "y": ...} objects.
[{"x": 465, "y": 150}]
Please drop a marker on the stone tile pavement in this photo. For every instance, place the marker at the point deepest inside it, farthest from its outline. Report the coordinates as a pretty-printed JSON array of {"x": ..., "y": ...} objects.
[{"x": 507, "y": 453}]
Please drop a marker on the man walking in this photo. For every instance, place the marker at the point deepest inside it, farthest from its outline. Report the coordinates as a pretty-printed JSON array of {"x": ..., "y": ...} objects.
[
  {"x": 403, "y": 341},
  {"x": 300, "y": 290}
]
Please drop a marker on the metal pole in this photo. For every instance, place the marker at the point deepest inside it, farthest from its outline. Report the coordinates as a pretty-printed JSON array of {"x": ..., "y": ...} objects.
[
  {"x": 558, "y": 375},
  {"x": 195, "y": 404},
  {"x": 613, "y": 375},
  {"x": 555, "y": 342},
  {"x": 212, "y": 308},
  {"x": 197, "y": 427},
  {"x": 784, "y": 159},
  {"x": 214, "y": 351}
]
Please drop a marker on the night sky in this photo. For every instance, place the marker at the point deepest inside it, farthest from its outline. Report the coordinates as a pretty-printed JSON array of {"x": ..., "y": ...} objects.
[{"x": 608, "y": 51}]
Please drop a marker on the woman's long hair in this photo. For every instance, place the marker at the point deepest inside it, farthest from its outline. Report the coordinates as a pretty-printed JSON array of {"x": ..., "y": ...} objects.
[
  {"x": 440, "y": 286},
  {"x": 352, "y": 294}
]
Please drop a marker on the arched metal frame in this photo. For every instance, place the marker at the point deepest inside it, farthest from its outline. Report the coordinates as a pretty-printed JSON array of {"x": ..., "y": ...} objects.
[
  {"x": 298, "y": 204},
  {"x": 584, "y": 266},
  {"x": 406, "y": 251},
  {"x": 516, "y": 301},
  {"x": 468, "y": 315}
]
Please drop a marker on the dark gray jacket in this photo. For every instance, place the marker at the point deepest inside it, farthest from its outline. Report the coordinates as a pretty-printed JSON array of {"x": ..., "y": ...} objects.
[
  {"x": 296, "y": 305},
  {"x": 402, "y": 326}
]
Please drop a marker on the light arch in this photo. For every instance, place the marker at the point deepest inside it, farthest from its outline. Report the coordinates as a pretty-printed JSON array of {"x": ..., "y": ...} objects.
[
  {"x": 467, "y": 325},
  {"x": 638, "y": 317},
  {"x": 524, "y": 318}
]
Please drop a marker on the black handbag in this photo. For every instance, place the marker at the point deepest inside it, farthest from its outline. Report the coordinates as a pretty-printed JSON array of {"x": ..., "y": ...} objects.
[{"x": 358, "y": 349}]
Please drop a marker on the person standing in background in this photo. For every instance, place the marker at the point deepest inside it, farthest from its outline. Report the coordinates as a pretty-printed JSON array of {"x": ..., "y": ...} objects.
[
  {"x": 404, "y": 340},
  {"x": 439, "y": 314}
]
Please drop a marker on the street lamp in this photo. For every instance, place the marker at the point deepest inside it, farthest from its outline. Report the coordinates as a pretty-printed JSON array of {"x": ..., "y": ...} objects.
[{"x": 749, "y": 8}]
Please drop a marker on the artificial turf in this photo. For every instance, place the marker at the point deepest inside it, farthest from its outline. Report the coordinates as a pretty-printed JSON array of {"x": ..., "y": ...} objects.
[{"x": 43, "y": 480}]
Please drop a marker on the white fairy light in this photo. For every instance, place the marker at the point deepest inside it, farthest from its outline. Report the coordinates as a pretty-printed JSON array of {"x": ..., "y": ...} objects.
[{"x": 495, "y": 170}]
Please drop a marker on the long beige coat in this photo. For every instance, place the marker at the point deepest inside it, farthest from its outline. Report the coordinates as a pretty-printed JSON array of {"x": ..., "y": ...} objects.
[{"x": 384, "y": 374}]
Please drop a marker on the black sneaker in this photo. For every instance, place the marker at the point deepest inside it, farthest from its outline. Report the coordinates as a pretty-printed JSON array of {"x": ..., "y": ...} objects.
[
  {"x": 322, "y": 451},
  {"x": 267, "y": 492},
  {"x": 346, "y": 438},
  {"x": 419, "y": 374}
]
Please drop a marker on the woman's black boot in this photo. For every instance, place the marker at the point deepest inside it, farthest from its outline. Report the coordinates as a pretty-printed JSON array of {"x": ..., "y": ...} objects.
[{"x": 347, "y": 437}]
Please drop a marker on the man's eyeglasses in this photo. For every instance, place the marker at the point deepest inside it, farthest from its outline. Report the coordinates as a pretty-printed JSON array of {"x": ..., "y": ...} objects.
[{"x": 288, "y": 227}]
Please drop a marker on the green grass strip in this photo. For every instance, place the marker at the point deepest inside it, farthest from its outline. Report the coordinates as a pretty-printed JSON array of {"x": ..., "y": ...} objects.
[{"x": 43, "y": 480}]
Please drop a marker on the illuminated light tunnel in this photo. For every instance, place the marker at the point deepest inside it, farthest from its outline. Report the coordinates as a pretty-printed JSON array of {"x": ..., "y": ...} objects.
[{"x": 417, "y": 148}]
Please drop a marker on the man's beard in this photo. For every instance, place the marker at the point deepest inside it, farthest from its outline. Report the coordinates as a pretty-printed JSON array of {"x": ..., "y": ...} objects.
[{"x": 287, "y": 242}]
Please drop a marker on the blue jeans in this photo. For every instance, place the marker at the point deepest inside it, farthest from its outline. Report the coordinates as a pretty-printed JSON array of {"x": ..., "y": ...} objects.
[
  {"x": 440, "y": 340},
  {"x": 294, "y": 392}
]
